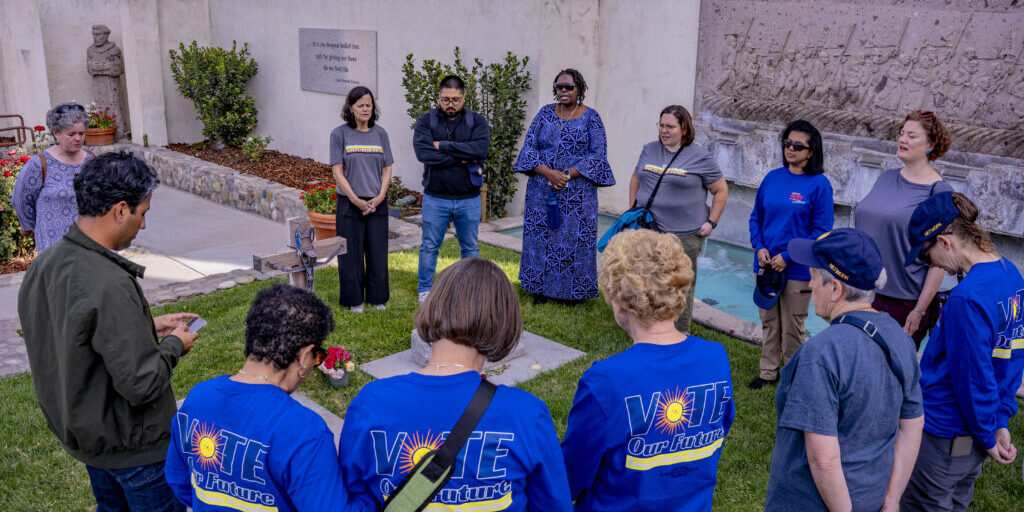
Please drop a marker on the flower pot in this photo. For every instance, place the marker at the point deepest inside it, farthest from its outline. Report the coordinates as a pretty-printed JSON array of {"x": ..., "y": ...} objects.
[
  {"x": 339, "y": 382},
  {"x": 324, "y": 224},
  {"x": 100, "y": 136}
]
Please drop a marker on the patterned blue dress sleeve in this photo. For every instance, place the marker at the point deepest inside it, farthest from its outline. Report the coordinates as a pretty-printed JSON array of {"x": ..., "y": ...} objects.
[
  {"x": 26, "y": 191},
  {"x": 529, "y": 155},
  {"x": 594, "y": 164}
]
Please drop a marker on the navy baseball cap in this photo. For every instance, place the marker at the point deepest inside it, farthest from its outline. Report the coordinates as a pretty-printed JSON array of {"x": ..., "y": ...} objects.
[
  {"x": 848, "y": 254},
  {"x": 929, "y": 219},
  {"x": 770, "y": 284}
]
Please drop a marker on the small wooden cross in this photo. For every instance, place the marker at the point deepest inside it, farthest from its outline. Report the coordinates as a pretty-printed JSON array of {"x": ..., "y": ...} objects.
[{"x": 303, "y": 255}]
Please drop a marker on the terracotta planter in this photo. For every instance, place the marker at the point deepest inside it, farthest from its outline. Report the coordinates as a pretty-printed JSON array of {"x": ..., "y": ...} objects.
[
  {"x": 324, "y": 224},
  {"x": 100, "y": 136}
]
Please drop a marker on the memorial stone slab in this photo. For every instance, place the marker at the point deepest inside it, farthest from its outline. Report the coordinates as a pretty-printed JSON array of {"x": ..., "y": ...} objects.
[{"x": 335, "y": 61}]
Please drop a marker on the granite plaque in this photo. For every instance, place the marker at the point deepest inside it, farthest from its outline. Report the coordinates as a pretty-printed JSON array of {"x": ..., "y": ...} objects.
[{"x": 335, "y": 61}]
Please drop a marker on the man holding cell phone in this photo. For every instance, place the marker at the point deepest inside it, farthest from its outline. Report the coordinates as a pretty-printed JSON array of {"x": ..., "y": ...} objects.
[{"x": 101, "y": 363}]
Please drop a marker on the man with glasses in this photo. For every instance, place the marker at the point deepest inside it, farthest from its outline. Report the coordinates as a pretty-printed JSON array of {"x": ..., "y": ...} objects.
[{"x": 452, "y": 142}]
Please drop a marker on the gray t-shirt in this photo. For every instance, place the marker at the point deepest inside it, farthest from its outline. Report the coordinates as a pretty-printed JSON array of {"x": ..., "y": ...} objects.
[
  {"x": 884, "y": 215},
  {"x": 840, "y": 384},
  {"x": 681, "y": 204},
  {"x": 363, "y": 156}
]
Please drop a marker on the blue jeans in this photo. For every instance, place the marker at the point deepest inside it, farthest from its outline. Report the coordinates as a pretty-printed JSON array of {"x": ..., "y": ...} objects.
[
  {"x": 437, "y": 215},
  {"x": 141, "y": 488}
]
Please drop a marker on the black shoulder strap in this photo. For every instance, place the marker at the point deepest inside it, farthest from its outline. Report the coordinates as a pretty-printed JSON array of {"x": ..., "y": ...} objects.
[
  {"x": 872, "y": 331},
  {"x": 650, "y": 199}
]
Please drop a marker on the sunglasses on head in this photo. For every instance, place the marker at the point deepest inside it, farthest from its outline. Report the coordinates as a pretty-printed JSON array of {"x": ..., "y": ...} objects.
[
  {"x": 926, "y": 114},
  {"x": 319, "y": 353},
  {"x": 797, "y": 146},
  {"x": 565, "y": 87},
  {"x": 62, "y": 108}
]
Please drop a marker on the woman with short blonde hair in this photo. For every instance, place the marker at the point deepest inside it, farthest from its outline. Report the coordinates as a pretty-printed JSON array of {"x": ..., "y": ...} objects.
[{"x": 647, "y": 424}]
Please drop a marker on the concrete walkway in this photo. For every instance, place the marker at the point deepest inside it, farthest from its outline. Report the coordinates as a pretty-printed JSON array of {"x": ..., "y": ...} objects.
[{"x": 186, "y": 238}]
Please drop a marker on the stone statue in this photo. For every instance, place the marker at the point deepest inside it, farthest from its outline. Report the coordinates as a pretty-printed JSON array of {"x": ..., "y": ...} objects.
[{"x": 106, "y": 65}]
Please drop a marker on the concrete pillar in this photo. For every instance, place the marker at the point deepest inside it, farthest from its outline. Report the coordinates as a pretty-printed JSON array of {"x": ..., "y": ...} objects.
[
  {"x": 24, "y": 86},
  {"x": 143, "y": 70}
]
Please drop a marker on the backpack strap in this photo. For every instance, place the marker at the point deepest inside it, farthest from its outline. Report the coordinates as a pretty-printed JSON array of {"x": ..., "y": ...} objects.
[
  {"x": 42, "y": 163},
  {"x": 872, "y": 331},
  {"x": 435, "y": 469}
]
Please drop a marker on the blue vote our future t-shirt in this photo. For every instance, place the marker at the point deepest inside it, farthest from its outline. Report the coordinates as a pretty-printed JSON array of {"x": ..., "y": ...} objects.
[
  {"x": 840, "y": 384},
  {"x": 510, "y": 462},
  {"x": 972, "y": 365},
  {"x": 789, "y": 206},
  {"x": 647, "y": 426},
  {"x": 252, "y": 447}
]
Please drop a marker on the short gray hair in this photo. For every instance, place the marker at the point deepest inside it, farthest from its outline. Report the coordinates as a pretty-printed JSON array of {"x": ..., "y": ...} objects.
[
  {"x": 64, "y": 116},
  {"x": 850, "y": 293}
]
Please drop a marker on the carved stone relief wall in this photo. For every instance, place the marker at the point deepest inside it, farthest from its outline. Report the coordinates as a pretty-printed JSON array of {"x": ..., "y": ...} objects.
[{"x": 857, "y": 67}]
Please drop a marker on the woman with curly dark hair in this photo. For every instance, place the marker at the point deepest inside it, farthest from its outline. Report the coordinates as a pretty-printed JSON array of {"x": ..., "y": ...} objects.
[
  {"x": 883, "y": 214},
  {"x": 241, "y": 439},
  {"x": 565, "y": 157}
]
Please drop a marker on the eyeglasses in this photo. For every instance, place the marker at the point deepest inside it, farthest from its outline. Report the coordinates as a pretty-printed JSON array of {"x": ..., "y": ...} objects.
[
  {"x": 662, "y": 126},
  {"x": 927, "y": 246},
  {"x": 452, "y": 101},
  {"x": 797, "y": 146},
  {"x": 565, "y": 87},
  {"x": 64, "y": 107},
  {"x": 320, "y": 354}
]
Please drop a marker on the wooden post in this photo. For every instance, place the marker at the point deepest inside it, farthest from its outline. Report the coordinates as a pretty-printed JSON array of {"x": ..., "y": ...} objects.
[
  {"x": 289, "y": 259},
  {"x": 483, "y": 203}
]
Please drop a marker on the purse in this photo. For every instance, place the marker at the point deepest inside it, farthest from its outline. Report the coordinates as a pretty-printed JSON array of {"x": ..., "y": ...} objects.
[
  {"x": 637, "y": 217},
  {"x": 435, "y": 468}
]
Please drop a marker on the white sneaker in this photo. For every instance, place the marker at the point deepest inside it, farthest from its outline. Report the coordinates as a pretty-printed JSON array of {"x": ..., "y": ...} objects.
[
  {"x": 423, "y": 296},
  {"x": 356, "y": 309},
  {"x": 379, "y": 307}
]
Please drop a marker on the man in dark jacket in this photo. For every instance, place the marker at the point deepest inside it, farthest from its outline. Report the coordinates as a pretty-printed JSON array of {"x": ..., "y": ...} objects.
[
  {"x": 101, "y": 363},
  {"x": 452, "y": 142}
]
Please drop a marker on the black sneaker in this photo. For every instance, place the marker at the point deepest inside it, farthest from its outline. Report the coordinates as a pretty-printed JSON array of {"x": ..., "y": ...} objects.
[{"x": 759, "y": 383}]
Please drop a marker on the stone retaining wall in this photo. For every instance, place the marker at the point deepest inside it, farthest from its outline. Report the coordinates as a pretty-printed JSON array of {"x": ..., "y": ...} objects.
[{"x": 218, "y": 183}]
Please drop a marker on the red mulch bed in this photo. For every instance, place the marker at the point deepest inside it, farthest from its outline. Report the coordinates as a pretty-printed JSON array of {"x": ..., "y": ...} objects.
[
  {"x": 288, "y": 170},
  {"x": 15, "y": 265}
]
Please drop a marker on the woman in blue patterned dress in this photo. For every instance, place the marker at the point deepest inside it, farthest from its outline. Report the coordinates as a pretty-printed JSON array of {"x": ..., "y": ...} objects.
[
  {"x": 565, "y": 156},
  {"x": 45, "y": 203}
]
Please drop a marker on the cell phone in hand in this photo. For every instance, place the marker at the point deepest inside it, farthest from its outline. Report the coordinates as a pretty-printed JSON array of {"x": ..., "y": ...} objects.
[{"x": 195, "y": 324}]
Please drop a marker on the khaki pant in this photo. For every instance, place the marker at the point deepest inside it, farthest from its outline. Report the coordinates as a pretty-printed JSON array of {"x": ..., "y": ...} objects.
[
  {"x": 692, "y": 245},
  {"x": 783, "y": 327}
]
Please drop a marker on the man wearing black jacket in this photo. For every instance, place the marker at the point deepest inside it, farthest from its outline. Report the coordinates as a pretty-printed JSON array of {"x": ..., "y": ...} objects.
[
  {"x": 452, "y": 142},
  {"x": 101, "y": 363}
]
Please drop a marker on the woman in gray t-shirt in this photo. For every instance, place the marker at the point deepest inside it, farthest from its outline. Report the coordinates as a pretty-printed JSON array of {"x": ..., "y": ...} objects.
[
  {"x": 361, "y": 163},
  {"x": 884, "y": 214},
  {"x": 680, "y": 204}
]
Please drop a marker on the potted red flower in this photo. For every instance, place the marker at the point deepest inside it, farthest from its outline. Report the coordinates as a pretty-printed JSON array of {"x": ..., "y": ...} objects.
[
  {"x": 337, "y": 365},
  {"x": 102, "y": 126},
  {"x": 322, "y": 205}
]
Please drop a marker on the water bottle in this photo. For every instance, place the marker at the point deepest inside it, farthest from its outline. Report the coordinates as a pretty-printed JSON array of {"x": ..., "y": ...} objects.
[{"x": 551, "y": 204}]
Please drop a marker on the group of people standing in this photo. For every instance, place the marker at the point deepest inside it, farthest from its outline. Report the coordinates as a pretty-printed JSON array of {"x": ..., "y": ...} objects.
[{"x": 861, "y": 424}]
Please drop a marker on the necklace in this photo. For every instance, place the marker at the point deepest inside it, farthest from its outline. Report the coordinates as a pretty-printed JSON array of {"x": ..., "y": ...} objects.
[
  {"x": 571, "y": 112},
  {"x": 437, "y": 367},
  {"x": 261, "y": 377}
]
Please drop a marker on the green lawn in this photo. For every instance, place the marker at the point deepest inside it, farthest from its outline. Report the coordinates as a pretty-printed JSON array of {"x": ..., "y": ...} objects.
[{"x": 35, "y": 474}]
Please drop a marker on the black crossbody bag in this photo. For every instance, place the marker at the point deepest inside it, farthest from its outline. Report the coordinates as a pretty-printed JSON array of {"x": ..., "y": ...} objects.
[{"x": 435, "y": 468}]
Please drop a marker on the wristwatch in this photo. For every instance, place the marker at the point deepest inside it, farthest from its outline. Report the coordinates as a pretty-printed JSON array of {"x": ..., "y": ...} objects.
[{"x": 714, "y": 225}]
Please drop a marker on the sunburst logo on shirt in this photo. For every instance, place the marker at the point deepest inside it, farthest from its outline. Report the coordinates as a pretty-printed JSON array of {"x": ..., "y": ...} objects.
[
  {"x": 208, "y": 446},
  {"x": 415, "y": 447},
  {"x": 674, "y": 411}
]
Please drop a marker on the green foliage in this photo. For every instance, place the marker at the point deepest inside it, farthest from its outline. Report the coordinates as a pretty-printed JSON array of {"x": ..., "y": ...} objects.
[
  {"x": 320, "y": 198},
  {"x": 254, "y": 147},
  {"x": 395, "y": 189},
  {"x": 214, "y": 79},
  {"x": 13, "y": 243},
  {"x": 495, "y": 91}
]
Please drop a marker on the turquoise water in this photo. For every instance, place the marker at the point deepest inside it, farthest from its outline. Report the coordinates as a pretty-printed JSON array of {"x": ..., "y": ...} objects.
[{"x": 725, "y": 278}]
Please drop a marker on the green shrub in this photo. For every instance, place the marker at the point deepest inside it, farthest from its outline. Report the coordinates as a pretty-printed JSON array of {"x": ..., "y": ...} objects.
[
  {"x": 214, "y": 79},
  {"x": 254, "y": 147},
  {"x": 13, "y": 243},
  {"x": 495, "y": 91}
]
